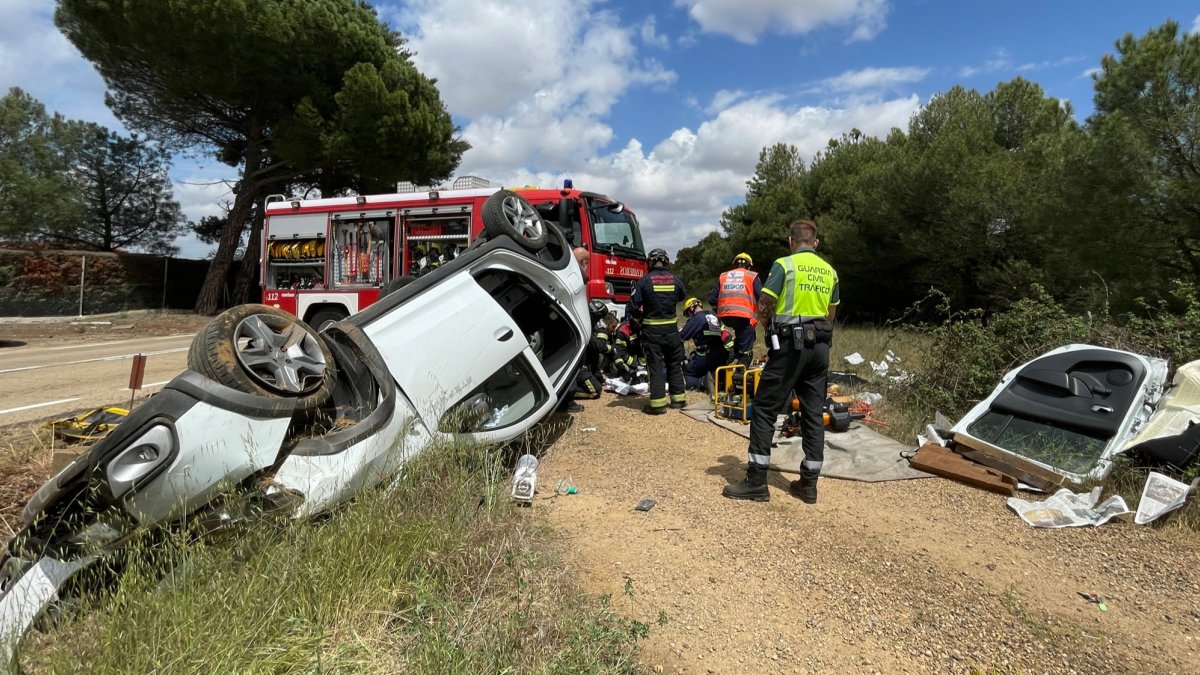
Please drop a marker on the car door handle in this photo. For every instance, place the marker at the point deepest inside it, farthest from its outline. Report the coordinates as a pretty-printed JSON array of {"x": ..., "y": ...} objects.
[{"x": 503, "y": 334}]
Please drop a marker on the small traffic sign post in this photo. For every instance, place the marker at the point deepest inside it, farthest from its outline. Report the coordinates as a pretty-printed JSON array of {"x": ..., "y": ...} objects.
[{"x": 137, "y": 374}]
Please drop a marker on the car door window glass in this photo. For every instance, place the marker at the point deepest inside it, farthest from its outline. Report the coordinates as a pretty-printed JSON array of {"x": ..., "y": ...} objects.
[{"x": 510, "y": 395}]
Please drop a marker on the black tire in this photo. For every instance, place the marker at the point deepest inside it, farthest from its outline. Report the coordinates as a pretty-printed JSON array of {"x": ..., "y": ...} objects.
[
  {"x": 322, "y": 317},
  {"x": 395, "y": 285},
  {"x": 508, "y": 214},
  {"x": 218, "y": 353}
]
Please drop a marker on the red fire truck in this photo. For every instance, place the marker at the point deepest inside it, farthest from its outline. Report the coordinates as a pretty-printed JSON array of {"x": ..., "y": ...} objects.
[{"x": 324, "y": 259}]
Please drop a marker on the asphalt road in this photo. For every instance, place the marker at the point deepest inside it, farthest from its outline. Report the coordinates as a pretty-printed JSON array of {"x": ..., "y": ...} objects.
[{"x": 37, "y": 382}]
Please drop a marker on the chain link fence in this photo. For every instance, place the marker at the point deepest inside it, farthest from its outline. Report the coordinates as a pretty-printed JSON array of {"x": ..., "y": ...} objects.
[{"x": 76, "y": 283}]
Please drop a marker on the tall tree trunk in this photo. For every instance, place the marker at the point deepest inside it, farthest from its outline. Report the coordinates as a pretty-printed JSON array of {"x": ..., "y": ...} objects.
[
  {"x": 247, "y": 193},
  {"x": 209, "y": 300},
  {"x": 248, "y": 274}
]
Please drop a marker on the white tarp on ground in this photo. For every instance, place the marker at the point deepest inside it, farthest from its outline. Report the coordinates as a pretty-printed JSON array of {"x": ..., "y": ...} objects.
[
  {"x": 1160, "y": 496},
  {"x": 858, "y": 454},
  {"x": 623, "y": 388},
  {"x": 1068, "y": 509}
]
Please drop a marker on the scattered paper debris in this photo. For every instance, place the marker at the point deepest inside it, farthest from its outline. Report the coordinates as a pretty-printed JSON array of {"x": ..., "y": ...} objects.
[
  {"x": 1068, "y": 509},
  {"x": 855, "y": 359},
  {"x": 1160, "y": 496}
]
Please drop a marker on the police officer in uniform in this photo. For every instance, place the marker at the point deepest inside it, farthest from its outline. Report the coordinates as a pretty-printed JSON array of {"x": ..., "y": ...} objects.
[
  {"x": 653, "y": 303},
  {"x": 798, "y": 306},
  {"x": 736, "y": 301}
]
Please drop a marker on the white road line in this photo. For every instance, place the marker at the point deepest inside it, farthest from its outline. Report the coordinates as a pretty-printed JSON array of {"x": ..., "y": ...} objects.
[
  {"x": 89, "y": 345},
  {"x": 109, "y": 344},
  {"x": 117, "y": 357},
  {"x": 145, "y": 386},
  {"x": 38, "y": 405}
]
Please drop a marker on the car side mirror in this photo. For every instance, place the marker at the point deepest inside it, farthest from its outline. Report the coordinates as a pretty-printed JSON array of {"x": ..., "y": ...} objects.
[{"x": 617, "y": 208}]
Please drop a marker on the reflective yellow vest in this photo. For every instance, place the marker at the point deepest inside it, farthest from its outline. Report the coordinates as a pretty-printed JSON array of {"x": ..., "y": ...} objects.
[{"x": 807, "y": 288}]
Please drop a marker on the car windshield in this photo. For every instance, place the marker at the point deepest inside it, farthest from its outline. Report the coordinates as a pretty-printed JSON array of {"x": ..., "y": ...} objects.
[
  {"x": 617, "y": 232},
  {"x": 1060, "y": 448}
]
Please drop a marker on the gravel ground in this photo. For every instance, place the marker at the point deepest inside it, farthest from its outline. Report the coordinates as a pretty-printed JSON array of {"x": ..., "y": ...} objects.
[{"x": 922, "y": 575}]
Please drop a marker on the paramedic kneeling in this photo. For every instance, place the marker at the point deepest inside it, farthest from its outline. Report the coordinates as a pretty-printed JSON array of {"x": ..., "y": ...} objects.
[{"x": 798, "y": 305}]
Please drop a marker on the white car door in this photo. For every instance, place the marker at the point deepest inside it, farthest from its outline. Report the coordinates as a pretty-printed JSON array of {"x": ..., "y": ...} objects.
[{"x": 447, "y": 346}]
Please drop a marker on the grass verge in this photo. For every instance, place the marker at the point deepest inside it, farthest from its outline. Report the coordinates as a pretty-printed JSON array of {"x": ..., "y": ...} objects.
[{"x": 436, "y": 574}]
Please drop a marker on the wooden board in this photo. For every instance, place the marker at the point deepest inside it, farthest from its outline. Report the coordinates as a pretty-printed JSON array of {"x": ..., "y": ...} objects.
[
  {"x": 1023, "y": 469},
  {"x": 935, "y": 459}
]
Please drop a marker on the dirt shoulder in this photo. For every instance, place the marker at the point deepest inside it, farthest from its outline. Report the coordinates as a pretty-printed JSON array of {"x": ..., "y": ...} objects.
[
  {"x": 877, "y": 577},
  {"x": 37, "y": 332}
]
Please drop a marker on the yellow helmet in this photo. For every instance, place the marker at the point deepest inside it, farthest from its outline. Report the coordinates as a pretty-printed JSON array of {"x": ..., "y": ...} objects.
[
  {"x": 743, "y": 256},
  {"x": 690, "y": 302}
]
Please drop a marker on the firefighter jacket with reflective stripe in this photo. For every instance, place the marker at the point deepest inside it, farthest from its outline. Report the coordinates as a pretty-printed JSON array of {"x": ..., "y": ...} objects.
[
  {"x": 627, "y": 344},
  {"x": 599, "y": 348},
  {"x": 704, "y": 330},
  {"x": 655, "y": 297},
  {"x": 804, "y": 286},
  {"x": 736, "y": 294}
]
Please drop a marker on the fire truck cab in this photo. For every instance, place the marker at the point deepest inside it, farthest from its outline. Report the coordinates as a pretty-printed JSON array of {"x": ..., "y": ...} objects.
[{"x": 325, "y": 259}]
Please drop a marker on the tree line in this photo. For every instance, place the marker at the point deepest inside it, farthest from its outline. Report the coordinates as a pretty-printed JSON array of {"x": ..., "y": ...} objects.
[
  {"x": 76, "y": 183},
  {"x": 986, "y": 196}
]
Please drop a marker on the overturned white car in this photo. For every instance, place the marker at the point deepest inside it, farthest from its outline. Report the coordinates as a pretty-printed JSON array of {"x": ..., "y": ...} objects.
[{"x": 481, "y": 349}]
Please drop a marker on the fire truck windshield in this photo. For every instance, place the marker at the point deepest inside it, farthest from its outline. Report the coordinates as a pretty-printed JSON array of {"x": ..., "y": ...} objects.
[{"x": 616, "y": 231}]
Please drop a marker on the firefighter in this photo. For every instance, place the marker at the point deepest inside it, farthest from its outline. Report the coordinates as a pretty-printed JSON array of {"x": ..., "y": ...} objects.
[
  {"x": 706, "y": 334},
  {"x": 583, "y": 386},
  {"x": 606, "y": 334},
  {"x": 599, "y": 351},
  {"x": 736, "y": 301},
  {"x": 653, "y": 303},
  {"x": 628, "y": 354},
  {"x": 798, "y": 305}
]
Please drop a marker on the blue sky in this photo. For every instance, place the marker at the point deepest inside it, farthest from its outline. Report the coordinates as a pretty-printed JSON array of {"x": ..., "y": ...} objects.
[{"x": 665, "y": 104}]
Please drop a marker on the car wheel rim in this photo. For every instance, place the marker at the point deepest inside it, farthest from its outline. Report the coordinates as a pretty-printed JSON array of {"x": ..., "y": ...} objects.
[
  {"x": 283, "y": 357},
  {"x": 523, "y": 218}
]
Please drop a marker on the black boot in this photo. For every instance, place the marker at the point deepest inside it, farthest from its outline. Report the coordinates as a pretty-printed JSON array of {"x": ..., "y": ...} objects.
[
  {"x": 754, "y": 487},
  {"x": 806, "y": 487}
]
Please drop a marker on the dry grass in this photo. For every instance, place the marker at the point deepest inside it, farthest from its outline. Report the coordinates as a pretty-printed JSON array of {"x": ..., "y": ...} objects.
[{"x": 439, "y": 573}]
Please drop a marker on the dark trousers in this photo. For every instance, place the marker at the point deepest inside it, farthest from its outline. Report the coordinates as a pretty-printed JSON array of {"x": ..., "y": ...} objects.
[
  {"x": 700, "y": 365},
  {"x": 805, "y": 370},
  {"x": 743, "y": 339},
  {"x": 587, "y": 385},
  {"x": 664, "y": 361}
]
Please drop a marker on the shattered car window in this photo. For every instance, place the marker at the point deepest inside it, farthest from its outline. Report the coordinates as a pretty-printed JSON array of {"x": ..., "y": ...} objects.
[
  {"x": 1061, "y": 448},
  {"x": 505, "y": 398}
]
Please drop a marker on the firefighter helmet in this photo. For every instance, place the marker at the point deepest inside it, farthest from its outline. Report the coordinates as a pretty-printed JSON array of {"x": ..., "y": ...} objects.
[
  {"x": 597, "y": 309},
  {"x": 660, "y": 256},
  {"x": 691, "y": 303},
  {"x": 743, "y": 257}
]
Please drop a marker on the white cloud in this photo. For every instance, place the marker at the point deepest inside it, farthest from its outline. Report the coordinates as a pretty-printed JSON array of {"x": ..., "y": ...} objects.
[
  {"x": 540, "y": 54},
  {"x": 681, "y": 185},
  {"x": 747, "y": 20},
  {"x": 1042, "y": 65},
  {"x": 36, "y": 57},
  {"x": 875, "y": 78},
  {"x": 725, "y": 98},
  {"x": 1195, "y": 25},
  {"x": 1091, "y": 72},
  {"x": 999, "y": 61},
  {"x": 651, "y": 36}
]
